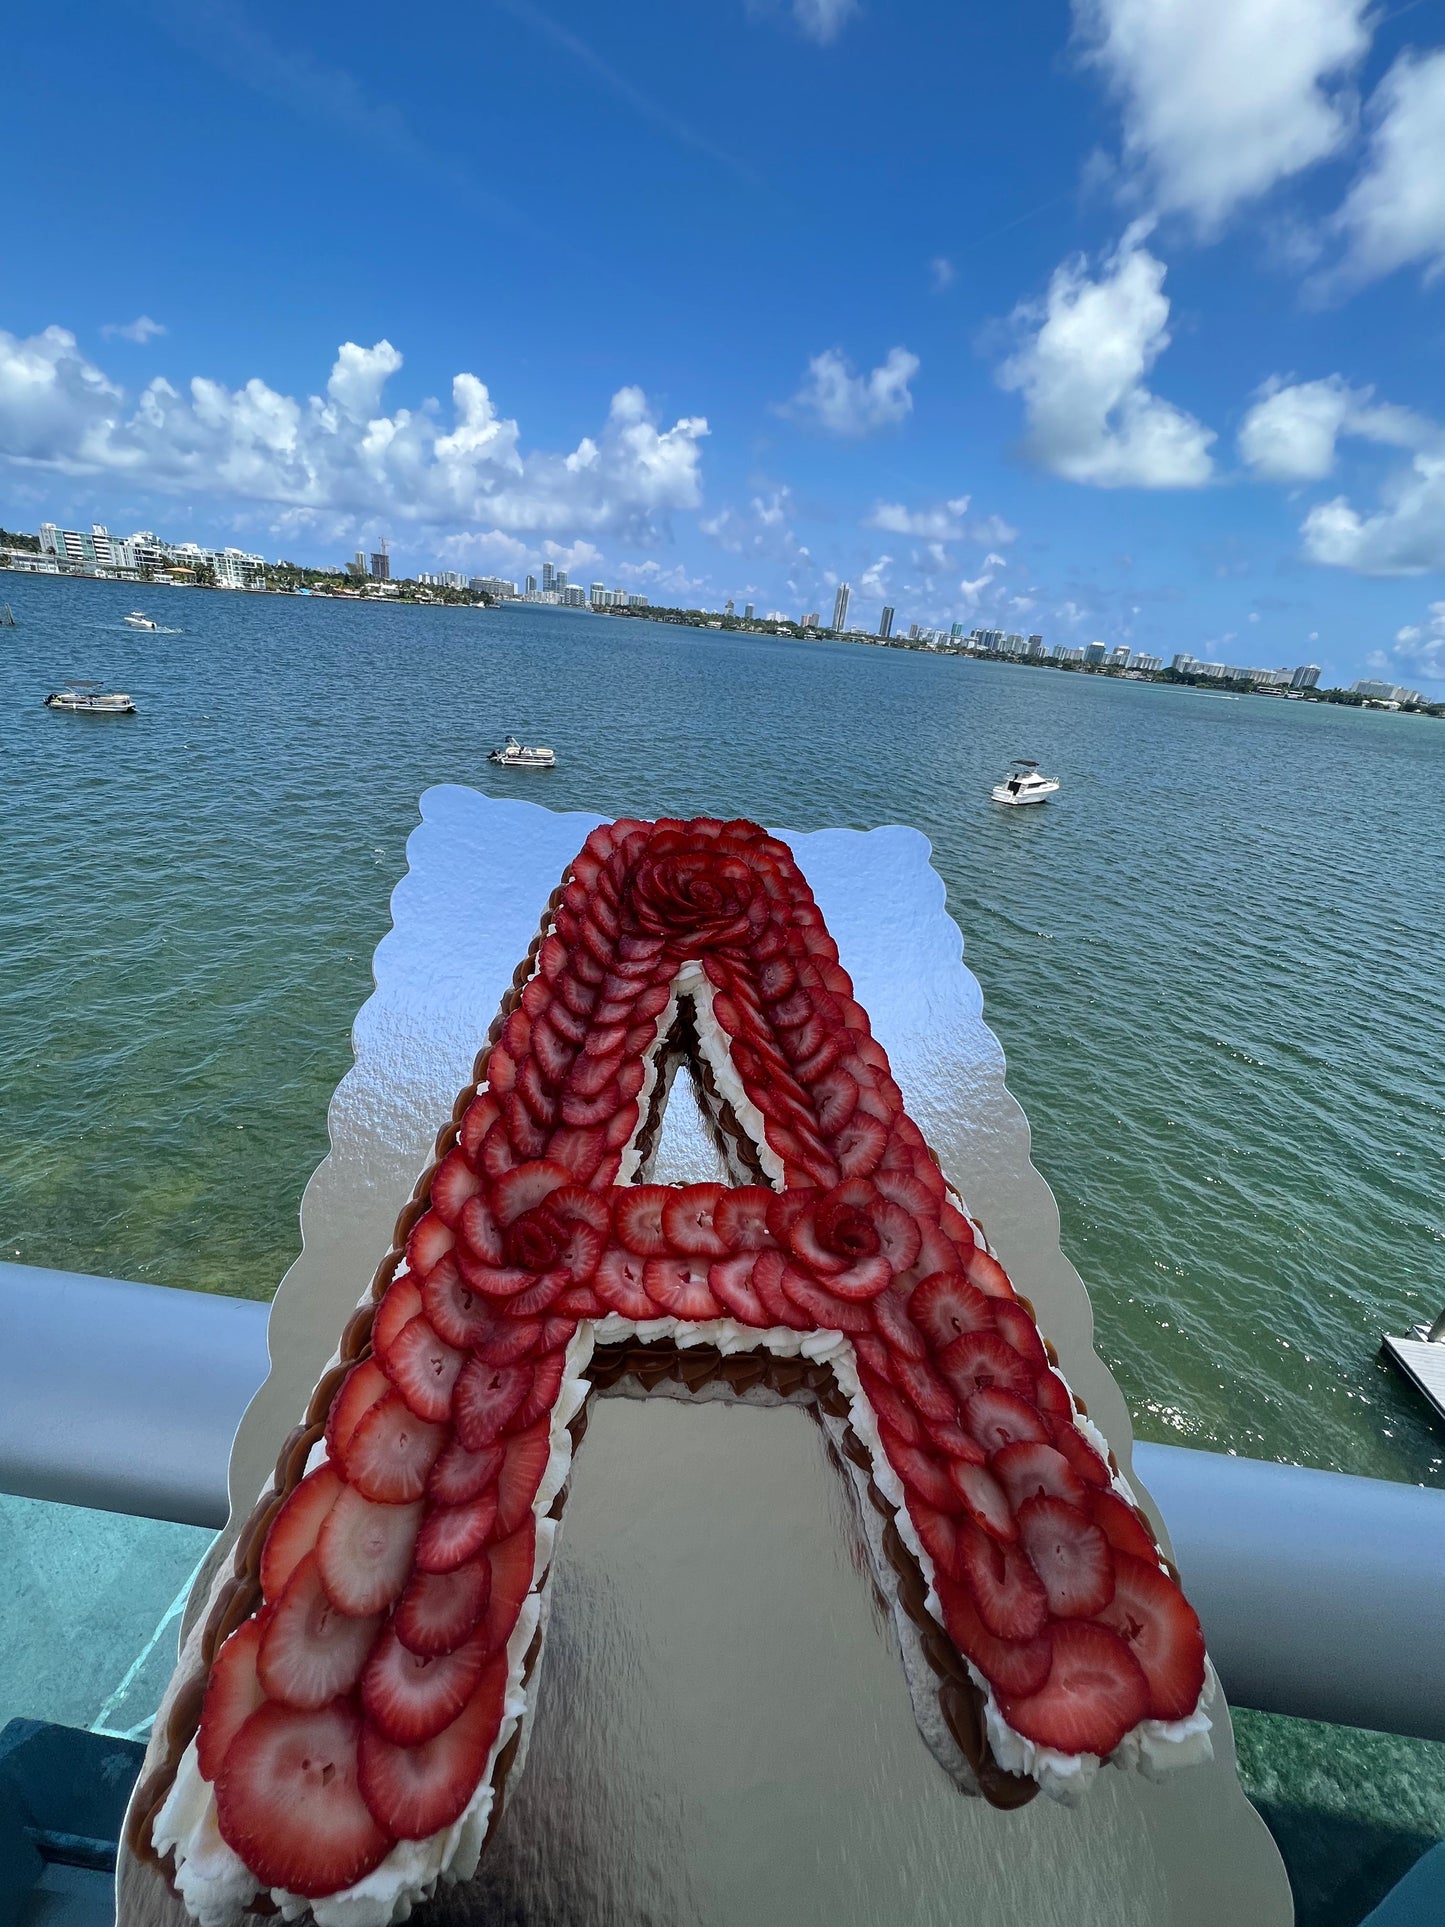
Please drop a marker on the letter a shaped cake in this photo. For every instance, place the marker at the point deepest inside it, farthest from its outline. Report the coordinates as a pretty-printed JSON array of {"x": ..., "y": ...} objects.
[{"x": 342, "y": 1733}]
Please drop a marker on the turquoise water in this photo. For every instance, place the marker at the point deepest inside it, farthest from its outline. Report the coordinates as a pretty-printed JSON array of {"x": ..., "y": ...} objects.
[{"x": 1213, "y": 961}]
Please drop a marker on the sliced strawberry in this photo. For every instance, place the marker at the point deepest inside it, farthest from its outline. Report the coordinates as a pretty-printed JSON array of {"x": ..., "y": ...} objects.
[
  {"x": 1160, "y": 1628},
  {"x": 863, "y": 1280},
  {"x": 485, "y": 1398},
  {"x": 619, "y": 1284},
  {"x": 439, "y": 1611},
  {"x": 555, "y": 1050},
  {"x": 984, "y": 1499},
  {"x": 1008, "y": 1593},
  {"x": 637, "y": 1214},
  {"x": 767, "y": 1281},
  {"x": 827, "y": 1312},
  {"x": 480, "y": 1232},
  {"x": 423, "y": 1368},
  {"x": 1070, "y": 1554},
  {"x": 364, "y": 1552},
  {"x": 1052, "y": 1398},
  {"x": 452, "y": 1534},
  {"x": 988, "y": 1274},
  {"x": 520, "y": 1473},
  {"x": 938, "y": 1533},
  {"x": 920, "y": 1472},
  {"x": 502, "y": 1285},
  {"x": 458, "y": 1315},
  {"x": 363, "y": 1385},
  {"x": 740, "y": 1217},
  {"x": 1015, "y": 1325},
  {"x": 1025, "y": 1470},
  {"x": 730, "y": 1280},
  {"x": 997, "y": 1418},
  {"x": 460, "y": 1475},
  {"x": 890, "y": 1409},
  {"x": 309, "y": 1649},
  {"x": 547, "y": 1374},
  {"x": 527, "y": 1185},
  {"x": 452, "y": 1183},
  {"x": 431, "y": 1239},
  {"x": 1080, "y": 1454},
  {"x": 292, "y": 1533},
  {"x": 415, "y": 1791},
  {"x": 1117, "y": 1520},
  {"x": 1095, "y": 1693},
  {"x": 481, "y": 1114},
  {"x": 902, "y": 1188},
  {"x": 678, "y": 1287},
  {"x": 408, "y": 1697},
  {"x": 923, "y": 1388},
  {"x": 688, "y": 1221},
  {"x": 288, "y": 1803},
  {"x": 401, "y": 1303},
  {"x": 980, "y": 1360},
  {"x": 233, "y": 1692},
  {"x": 1010, "y": 1665},
  {"x": 391, "y": 1452},
  {"x": 860, "y": 1145},
  {"x": 895, "y": 1323},
  {"x": 512, "y": 1561},
  {"x": 582, "y": 1149},
  {"x": 953, "y": 1442},
  {"x": 945, "y": 1307}
]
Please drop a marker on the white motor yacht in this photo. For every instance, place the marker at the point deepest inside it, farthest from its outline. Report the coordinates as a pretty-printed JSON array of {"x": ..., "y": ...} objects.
[
  {"x": 1025, "y": 783},
  {"x": 515, "y": 755},
  {"x": 90, "y": 699},
  {"x": 135, "y": 620}
]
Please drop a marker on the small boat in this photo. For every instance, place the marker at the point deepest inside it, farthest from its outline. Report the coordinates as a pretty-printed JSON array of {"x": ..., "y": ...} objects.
[
  {"x": 1025, "y": 783},
  {"x": 515, "y": 755},
  {"x": 89, "y": 699},
  {"x": 135, "y": 620}
]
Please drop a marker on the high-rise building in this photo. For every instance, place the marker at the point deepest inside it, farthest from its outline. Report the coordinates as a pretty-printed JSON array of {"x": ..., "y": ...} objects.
[
  {"x": 600, "y": 597},
  {"x": 913, "y": 632},
  {"x": 748, "y": 612},
  {"x": 1307, "y": 677},
  {"x": 885, "y": 623},
  {"x": 840, "y": 607},
  {"x": 1119, "y": 656},
  {"x": 1183, "y": 663},
  {"x": 381, "y": 564},
  {"x": 531, "y": 585},
  {"x": 1094, "y": 655},
  {"x": 548, "y": 578},
  {"x": 811, "y": 621},
  {"x": 559, "y": 582},
  {"x": 728, "y": 607}
]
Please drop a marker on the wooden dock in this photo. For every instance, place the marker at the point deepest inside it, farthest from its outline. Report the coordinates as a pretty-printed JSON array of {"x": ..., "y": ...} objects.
[{"x": 1422, "y": 1362}]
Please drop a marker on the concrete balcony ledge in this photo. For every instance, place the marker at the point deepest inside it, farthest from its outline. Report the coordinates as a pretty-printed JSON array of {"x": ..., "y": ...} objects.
[{"x": 1322, "y": 1595}]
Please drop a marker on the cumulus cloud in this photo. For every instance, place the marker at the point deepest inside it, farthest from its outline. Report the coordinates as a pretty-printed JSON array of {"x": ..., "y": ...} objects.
[
  {"x": 1221, "y": 102},
  {"x": 1289, "y": 435},
  {"x": 340, "y": 453},
  {"x": 1081, "y": 370},
  {"x": 874, "y": 579},
  {"x": 1404, "y": 536},
  {"x": 823, "y": 20},
  {"x": 834, "y": 398},
  {"x": 763, "y": 529},
  {"x": 1394, "y": 215},
  {"x": 139, "y": 331},
  {"x": 1421, "y": 645},
  {"x": 943, "y": 271},
  {"x": 941, "y": 522}
]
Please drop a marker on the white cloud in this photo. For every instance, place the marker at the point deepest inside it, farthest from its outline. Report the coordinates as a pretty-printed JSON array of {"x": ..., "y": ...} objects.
[
  {"x": 1082, "y": 376},
  {"x": 844, "y": 403},
  {"x": 938, "y": 524},
  {"x": 1222, "y": 101},
  {"x": 340, "y": 454},
  {"x": 1394, "y": 215},
  {"x": 763, "y": 529},
  {"x": 943, "y": 271},
  {"x": 874, "y": 579},
  {"x": 1290, "y": 433},
  {"x": 1422, "y": 645},
  {"x": 823, "y": 20},
  {"x": 139, "y": 331},
  {"x": 1405, "y": 536}
]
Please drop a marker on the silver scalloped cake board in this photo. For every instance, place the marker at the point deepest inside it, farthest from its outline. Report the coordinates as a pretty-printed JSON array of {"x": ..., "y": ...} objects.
[{"x": 723, "y": 1733}]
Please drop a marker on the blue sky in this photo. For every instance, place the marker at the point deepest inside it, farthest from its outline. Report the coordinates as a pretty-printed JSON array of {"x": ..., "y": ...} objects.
[{"x": 1120, "y": 319}]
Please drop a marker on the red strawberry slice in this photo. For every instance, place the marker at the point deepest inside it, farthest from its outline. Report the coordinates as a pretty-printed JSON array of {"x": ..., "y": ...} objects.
[
  {"x": 538, "y": 1096},
  {"x": 452, "y": 1183},
  {"x": 1014, "y": 1324},
  {"x": 497, "y": 1283},
  {"x": 900, "y": 1237},
  {"x": 827, "y": 1311},
  {"x": 997, "y": 1418},
  {"x": 953, "y": 1442},
  {"x": 945, "y": 1307},
  {"x": 1081, "y": 1455},
  {"x": 423, "y": 1369},
  {"x": 923, "y": 1388},
  {"x": 1025, "y": 1470},
  {"x": 730, "y": 1280},
  {"x": 519, "y": 1475},
  {"x": 459, "y": 1475},
  {"x": 980, "y": 1360},
  {"x": 835, "y": 1094},
  {"x": 485, "y": 1398},
  {"x": 415, "y": 1791},
  {"x": 767, "y": 1281},
  {"x": 309, "y": 1649},
  {"x": 541, "y": 1295},
  {"x": 890, "y": 1409},
  {"x": 919, "y": 1472},
  {"x": 292, "y": 1533},
  {"x": 409, "y": 1697},
  {"x": 1160, "y": 1628},
  {"x": 619, "y": 1284},
  {"x": 1070, "y": 1554},
  {"x": 287, "y": 1801},
  {"x": 902, "y": 1188},
  {"x": 894, "y": 1320},
  {"x": 452, "y": 1534},
  {"x": 481, "y": 1114},
  {"x": 1052, "y": 1398},
  {"x": 430, "y": 1241},
  {"x": 859, "y": 1146},
  {"x": 689, "y": 1221},
  {"x": 678, "y": 1287},
  {"x": 938, "y": 1533},
  {"x": 233, "y": 1692},
  {"x": 480, "y": 1232},
  {"x": 784, "y": 1207},
  {"x": 984, "y": 1499},
  {"x": 364, "y": 1551},
  {"x": 988, "y": 1274},
  {"x": 363, "y": 1385},
  {"x": 740, "y": 1217},
  {"x": 512, "y": 1561},
  {"x": 459, "y": 1315},
  {"x": 861, "y": 1281},
  {"x": 1008, "y": 1593},
  {"x": 554, "y": 1047},
  {"x": 583, "y": 1148},
  {"x": 1095, "y": 1693},
  {"x": 1010, "y": 1665},
  {"x": 1118, "y": 1521},
  {"x": 527, "y": 1185},
  {"x": 547, "y": 1374},
  {"x": 637, "y": 1215},
  {"x": 510, "y": 1340},
  {"x": 439, "y": 1611},
  {"x": 398, "y": 1307},
  {"x": 391, "y": 1452}
]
